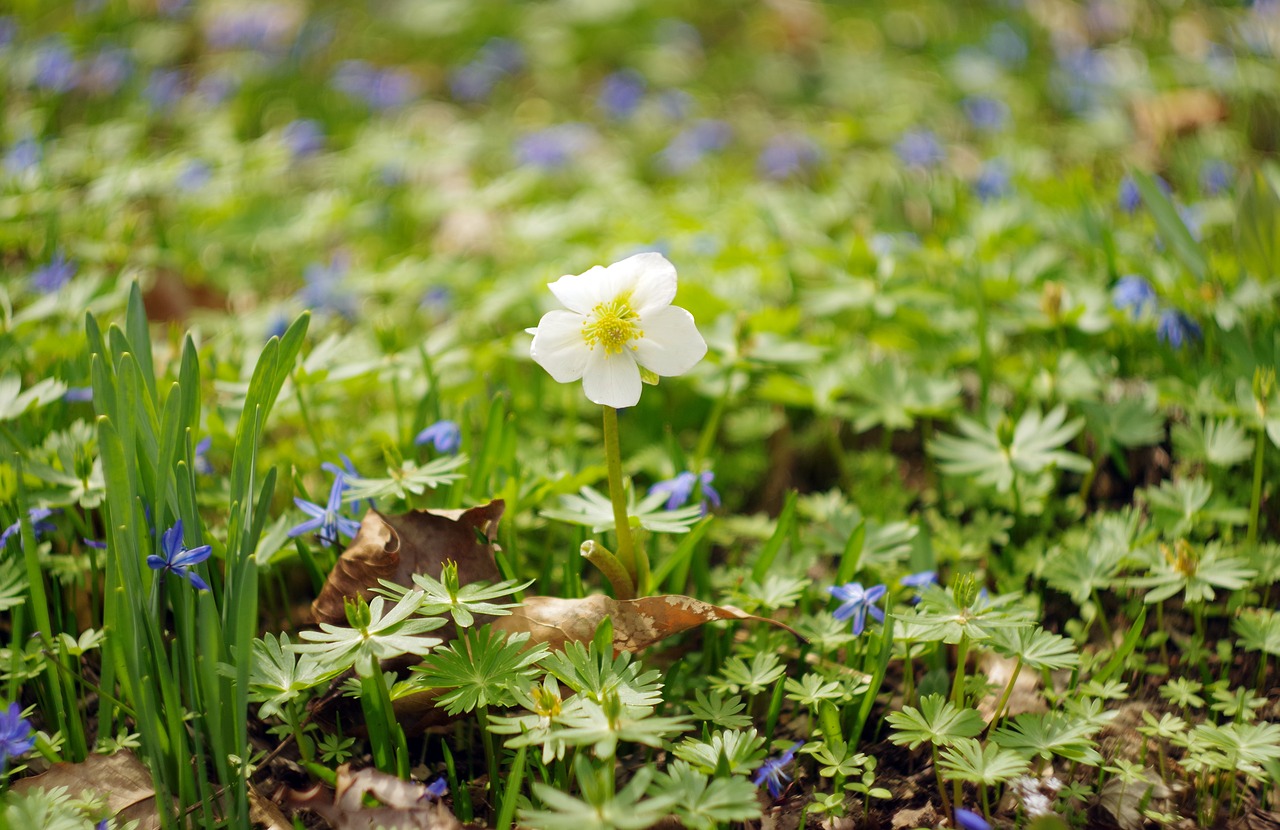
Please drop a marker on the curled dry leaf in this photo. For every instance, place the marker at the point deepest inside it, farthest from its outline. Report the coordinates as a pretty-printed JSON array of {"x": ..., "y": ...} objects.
[
  {"x": 637, "y": 623},
  {"x": 397, "y": 547},
  {"x": 405, "y": 805},
  {"x": 120, "y": 779}
]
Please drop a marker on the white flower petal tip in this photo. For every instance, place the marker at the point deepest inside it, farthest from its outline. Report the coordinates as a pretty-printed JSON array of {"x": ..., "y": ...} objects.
[{"x": 617, "y": 327}]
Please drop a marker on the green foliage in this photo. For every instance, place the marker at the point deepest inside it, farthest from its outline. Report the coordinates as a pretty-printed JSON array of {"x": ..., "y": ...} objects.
[
  {"x": 938, "y": 722},
  {"x": 482, "y": 666}
]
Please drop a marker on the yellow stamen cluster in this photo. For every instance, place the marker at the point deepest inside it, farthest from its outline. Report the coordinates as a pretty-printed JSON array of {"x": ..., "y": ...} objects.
[{"x": 612, "y": 325}]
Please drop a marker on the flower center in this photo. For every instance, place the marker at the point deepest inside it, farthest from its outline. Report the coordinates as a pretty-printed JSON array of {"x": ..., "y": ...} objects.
[{"x": 613, "y": 325}]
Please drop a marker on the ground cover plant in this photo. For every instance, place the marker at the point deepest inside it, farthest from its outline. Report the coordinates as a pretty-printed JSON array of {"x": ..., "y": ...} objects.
[{"x": 617, "y": 415}]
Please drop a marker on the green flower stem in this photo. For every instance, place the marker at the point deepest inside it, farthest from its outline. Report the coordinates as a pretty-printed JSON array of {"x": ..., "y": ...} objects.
[
  {"x": 608, "y": 564},
  {"x": 962, "y": 657},
  {"x": 635, "y": 561},
  {"x": 490, "y": 753},
  {"x": 1255, "y": 503},
  {"x": 1004, "y": 698},
  {"x": 942, "y": 787}
]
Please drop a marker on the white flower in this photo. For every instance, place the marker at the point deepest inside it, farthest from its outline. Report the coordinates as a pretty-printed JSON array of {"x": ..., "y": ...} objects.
[{"x": 618, "y": 321}]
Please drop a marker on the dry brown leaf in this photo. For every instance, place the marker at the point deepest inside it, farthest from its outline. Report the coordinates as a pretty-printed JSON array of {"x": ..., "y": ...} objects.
[
  {"x": 1171, "y": 114},
  {"x": 397, "y": 547},
  {"x": 405, "y": 804},
  {"x": 120, "y": 778},
  {"x": 924, "y": 816},
  {"x": 637, "y": 623}
]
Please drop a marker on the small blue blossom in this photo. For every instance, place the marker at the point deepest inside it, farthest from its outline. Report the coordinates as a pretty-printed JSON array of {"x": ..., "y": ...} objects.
[
  {"x": 324, "y": 290},
  {"x": 771, "y": 773},
  {"x": 177, "y": 559},
  {"x": 621, "y": 94},
  {"x": 436, "y": 790},
  {"x": 16, "y": 738},
  {"x": 856, "y": 602},
  {"x": 920, "y": 579},
  {"x": 261, "y": 27},
  {"x": 692, "y": 144},
  {"x": 217, "y": 87},
  {"x": 78, "y": 394},
  {"x": 1176, "y": 328},
  {"x": 1215, "y": 177},
  {"x": 1007, "y": 45},
  {"x": 38, "y": 525},
  {"x": 104, "y": 73},
  {"x": 993, "y": 181},
  {"x": 985, "y": 113},
  {"x": 194, "y": 176},
  {"x": 474, "y": 82},
  {"x": 445, "y": 436},
  {"x": 8, "y": 30},
  {"x": 55, "y": 67},
  {"x": 920, "y": 148},
  {"x": 553, "y": 148},
  {"x": 788, "y": 155},
  {"x": 327, "y": 521},
  {"x": 164, "y": 88},
  {"x": 201, "y": 461},
  {"x": 1133, "y": 294},
  {"x": 93, "y": 543},
  {"x": 23, "y": 156},
  {"x": 304, "y": 137},
  {"x": 380, "y": 89},
  {"x": 676, "y": 104},
  {"x": 1130, "y": 197},
  {"x": 969, "y": 820},
  {"x": 347, "y": 471},
  {"x": 58, "y": 272},
  {"x": 680, "y": 489}
]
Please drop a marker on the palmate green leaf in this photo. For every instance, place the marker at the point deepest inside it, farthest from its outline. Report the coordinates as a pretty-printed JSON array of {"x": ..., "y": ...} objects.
[
  {"x": 593, "y": 509},
  {"x": 598, "y": 809},
  {"x": 14, "y": 402},
  {"x": 725, "y": 712},
  {"x": 462, "y": 602},
  {"x": 1243, "y": 747},
  {"x": 388, "y": 634},
  {"x": 603, "y": 726},
  {"x": 1034, "y": 446},
  {"x": 1047, "y": 734},
  {"x": 969, "y": 760},
  {"x": 940, "y": 617},
  {"x": 813, "y": 688},
  {"x": 1218, "y": 443},
  {"x": 409, "y": 478},
  {"x": 596, "y": 674},
  {"x": 1194, "y": 575},
  {"x": 1036, "y": 648},
  {"x": 737, "y": 676},
  {"x": 891, "y": 396},
  {"x": 1124, "y": 423},
  {"x": 482, "y": 667},
  {"x": 1181, "y": 505},
  {"x": 733, "y": 750},
  {"x": 704, "y": 803},
  {"x": 277, "y": 676},
  {"x": 13, "y": 584},
  {"x": 1259, "y": 630},
  {"x": 938, "y": 722}
]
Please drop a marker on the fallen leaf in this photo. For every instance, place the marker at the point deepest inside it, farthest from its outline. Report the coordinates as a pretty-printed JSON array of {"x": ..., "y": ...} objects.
[
  {"x": 1125, "y": 800},
  {"x": 395, "y": 548},
  {"x": 405, "y": 805},
  {"x": 924, "y": 816},
  {"x": 637, "y": 623},
  {"x": 1175, "y": 113},
  {"x": 120, "y": 779}
]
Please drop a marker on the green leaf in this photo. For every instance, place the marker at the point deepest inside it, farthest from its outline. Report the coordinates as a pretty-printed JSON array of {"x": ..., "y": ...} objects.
[
  {"x": 14, "y": 402},
  {"x": 1172, "y": 229},
  {"x": 969, "y": 760},
  {"x": 481, "y": 667},
  {"x": 1033, "y": 445},
  {"x": 938, "y": 721},
  {"x": 704, "y": 803},
  {"x": 1047, "y": 734},
  {"x": 1219, "y": 443},
  {"x": 1257, "y": 226}
]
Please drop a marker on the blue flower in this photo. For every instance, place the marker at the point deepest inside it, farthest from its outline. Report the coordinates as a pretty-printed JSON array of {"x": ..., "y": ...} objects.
[
  {"x": 55, "y": 69},
  {"x": 164, "y": 88},
  {"x": 195, "y": 175},
  {"x": 920, "y": 148},
  {"x": 15, "y": 735},
  {"x": 58, "y": 272},
  {"x": 921, "y": 579},
  {"x": 327, "y": 520},
  {"x": 38, "y": 525},
  {"x": 106, "y": 72},
  {"x": 304, "y": 137},
  {"x": 177, "y": 559},
  {"x": 969, "y": 820},
  {"x": 771, "y": 772},
  {"x": 856, "y": 601},
  {"x": 323, "y": 290},
  {"x": 23, "y": 156},
  {"x": 201, "y": 461},
  {"x": 1133, "y": 294},
  {"x": 8, "y": 30},
  {"x": 554, "y": 147},
  {"x": 347, "y": 470},
  {"x": 788, "y": 155},
  {"x": 381, "y": 89},
  {"x": 445, "y": 436},
  {"x": 693, "y": 143},
  {"x": 1006, "y": 45},
  {"x": 1215, "y": 177},
  {"x": 473, "y": 82},
  {"x": 680, "y": 489},
  {"x": 621, "y": 93},
  {"x": 984, "y": 113},
  {"x": 436, "y": 790},
  {"x": 1129, "y": 197},
  {"x": 78, "y": 394},
  {"x": 1176, "y": 328},
  {"x": 993, "y": 181}
]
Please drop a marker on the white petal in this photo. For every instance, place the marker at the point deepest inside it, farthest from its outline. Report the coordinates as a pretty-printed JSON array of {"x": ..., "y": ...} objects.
[
  {"x": 611, "y": 380},
  {"x": 650, "y": 277},
  {"x": 671, "y": 344},
  {"x": 558, "y": 345},
  {"x": 583, "y": 292}
]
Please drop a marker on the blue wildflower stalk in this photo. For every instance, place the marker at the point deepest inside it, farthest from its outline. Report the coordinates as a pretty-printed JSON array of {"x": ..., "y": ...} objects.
[
  {"x": 772, "y": 772},
  {"x": 328, "y": 521},
  {"x": 16, "y": 738}
]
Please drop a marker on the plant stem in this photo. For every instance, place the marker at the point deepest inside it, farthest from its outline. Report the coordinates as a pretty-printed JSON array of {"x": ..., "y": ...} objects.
[
  {"x": 490, "y": 752},
  {"x": 942, "y": 787},
  {"x": 1255, "y": 503},
  {"x": 1008, "y": 690},
  {"x": 636, "y": 562},
  {"x": 608, "y": 564},
  {"x": 962, "y": 657}
]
